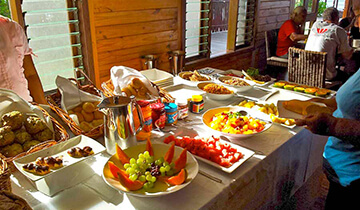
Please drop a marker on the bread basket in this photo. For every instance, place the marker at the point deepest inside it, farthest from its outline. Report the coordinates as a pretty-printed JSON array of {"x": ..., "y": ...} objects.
[
  {"x": 54, "y": 101},
  {"x": 5, "y": 173},
  {"x": 60, "y": 136}
]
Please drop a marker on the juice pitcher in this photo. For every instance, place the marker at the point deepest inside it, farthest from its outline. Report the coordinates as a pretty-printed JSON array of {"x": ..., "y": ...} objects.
[{"x": 119, "y": 122}]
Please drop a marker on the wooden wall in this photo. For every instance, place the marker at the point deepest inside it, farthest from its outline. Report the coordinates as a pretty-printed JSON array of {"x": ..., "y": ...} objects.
[{"x": 122, "y": 31}]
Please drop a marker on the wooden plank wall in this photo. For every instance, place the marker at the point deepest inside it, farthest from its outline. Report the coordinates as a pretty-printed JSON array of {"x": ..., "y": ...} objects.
[
  {"x": 123, "y": 31},
  {"x": 272, "y": 14}
]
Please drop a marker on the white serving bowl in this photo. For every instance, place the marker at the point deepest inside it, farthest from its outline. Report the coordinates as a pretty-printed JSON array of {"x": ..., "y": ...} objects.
[
  {"x": 237, "y": 87},
  {"x": 207, "y": 116},
  {"x": 192, "y": 83},
  {"x": 213, "y": 96}
]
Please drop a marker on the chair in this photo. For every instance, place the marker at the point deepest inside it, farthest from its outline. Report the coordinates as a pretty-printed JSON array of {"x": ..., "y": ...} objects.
[
  {"x": 271, "y": 45},
  {"x": 307, "y": 67}
]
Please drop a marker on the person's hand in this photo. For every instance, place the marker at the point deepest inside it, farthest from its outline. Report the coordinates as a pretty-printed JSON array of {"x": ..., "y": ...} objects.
[
  {"x": 318, "y": 123},
  {"x": 330, "y": 103}
]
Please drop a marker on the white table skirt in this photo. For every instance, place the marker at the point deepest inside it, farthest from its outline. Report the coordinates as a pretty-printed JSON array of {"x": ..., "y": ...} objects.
[{"x": 284, "y": 160}]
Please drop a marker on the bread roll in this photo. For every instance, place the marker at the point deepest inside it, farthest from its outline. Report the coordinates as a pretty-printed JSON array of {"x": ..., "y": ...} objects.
[
  {"x": 88, "y": 117},
  {"x": 137, "y": 83},
  {"x": 80, "y": 116},
  {"x": 88, "y": 107}
]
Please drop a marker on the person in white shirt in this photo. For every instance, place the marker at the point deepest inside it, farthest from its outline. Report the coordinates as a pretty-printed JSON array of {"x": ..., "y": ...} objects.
[{"x": 327, "y": 36}]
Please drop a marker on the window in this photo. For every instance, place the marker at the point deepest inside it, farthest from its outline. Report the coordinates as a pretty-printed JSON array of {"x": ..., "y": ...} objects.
[
  {"x": 215, "y": 27},
  {"x": 52, "y": 27}
]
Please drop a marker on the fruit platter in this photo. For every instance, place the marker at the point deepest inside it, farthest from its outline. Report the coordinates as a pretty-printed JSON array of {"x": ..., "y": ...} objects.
[
  {"x": 150, "y": 170},
  {"x": 269, "y": 109},
  {"x": 213, "y": 151},
  {"x": 304, "y": 89},
  {"x": 236, "y": 122}
]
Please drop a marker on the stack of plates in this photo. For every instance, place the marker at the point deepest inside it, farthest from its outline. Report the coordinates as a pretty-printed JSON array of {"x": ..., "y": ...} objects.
[{"x": 159, "y": 77}]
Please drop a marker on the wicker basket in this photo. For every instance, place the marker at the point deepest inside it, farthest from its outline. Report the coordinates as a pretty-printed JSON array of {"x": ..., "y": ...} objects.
[
  {"x": 5, "y": 173},
  {"x": 12, "y": 201},
  {"x": 60, "y": 136},
  {"x": 54, "y": 101},
  {"x": 108, "y": 90}
]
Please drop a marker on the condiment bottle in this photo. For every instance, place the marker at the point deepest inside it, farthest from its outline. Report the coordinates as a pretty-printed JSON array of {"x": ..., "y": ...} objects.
[
  {"x": 145, "y": 133},
  {"x": 196, "y": 104},
  {"x": 158, "y": 114},
  {"x": 183, "y": 109},
  {"x": 171, "y": 113}
]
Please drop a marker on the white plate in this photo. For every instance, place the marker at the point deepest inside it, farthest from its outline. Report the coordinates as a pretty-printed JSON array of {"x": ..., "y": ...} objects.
[
  {"x": 328, "y": 96},
  {"x": 57, "y": 150},
  {"x": 237, "y": 87},
  {"x": 160, "y": 150},
  {"x": 246, "y": 152},
  {"x": 207, "y": 116},
  {"x": 192, "y": 83},
  {"x": 213, "y": 96},
  {"x": 157, "y": 76},
  {"x": 183, "y": 92}
]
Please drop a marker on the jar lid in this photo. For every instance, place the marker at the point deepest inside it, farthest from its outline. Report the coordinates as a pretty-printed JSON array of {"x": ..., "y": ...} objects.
[
  {"x": 196, "y": 98},
  {"x": 182, "y": 103},
  {"x": 157, "y": 106},
  {"x": 170, "y": 107}
]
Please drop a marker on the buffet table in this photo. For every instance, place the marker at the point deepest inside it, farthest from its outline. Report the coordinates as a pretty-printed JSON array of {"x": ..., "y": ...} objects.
[{"x": 284, "y": 160}]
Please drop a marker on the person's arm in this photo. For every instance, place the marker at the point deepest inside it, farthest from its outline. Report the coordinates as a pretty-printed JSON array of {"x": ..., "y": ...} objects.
[
  {"x": 348, "y": 54},
  {"x": 34, "y": 83},
  {"x": 325, "y": 124},
  {"x": 297, "y": 37}
]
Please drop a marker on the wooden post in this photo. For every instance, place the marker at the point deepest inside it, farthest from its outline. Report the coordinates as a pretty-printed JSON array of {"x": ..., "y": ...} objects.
[{"x": 232, "y": 25}]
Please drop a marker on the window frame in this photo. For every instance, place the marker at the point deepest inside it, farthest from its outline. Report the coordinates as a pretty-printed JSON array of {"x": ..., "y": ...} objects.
[{"x": 231, "y": 48}]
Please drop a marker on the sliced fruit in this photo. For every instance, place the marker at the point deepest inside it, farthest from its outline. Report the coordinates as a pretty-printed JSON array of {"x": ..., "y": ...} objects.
[
  {"x": 169, "y": 139},
  {"x": 178, "y": 179},
  {"x": 170, "y": 153},
  {"x": 180, "y": 163},
  {"x": 114, "y": 169},
  {"x": 121, "y": 155},
  {"x": 311, "y": 90},
  {"x": 149, "y": 147},
  {"x": 126, "y": 182}
]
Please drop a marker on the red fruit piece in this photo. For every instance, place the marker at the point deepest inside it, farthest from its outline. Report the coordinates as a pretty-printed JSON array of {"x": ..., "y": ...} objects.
[
  {"x": 180, "y": 163},
  {"x": 124, "y": 178},
  {"x": 178, "y": 179},
  {"x": 149, "y": 147},
  {"x": 121, "y": 155},
  {"x": 169, "y": 139},
  {"x": 170, "y": 153}
]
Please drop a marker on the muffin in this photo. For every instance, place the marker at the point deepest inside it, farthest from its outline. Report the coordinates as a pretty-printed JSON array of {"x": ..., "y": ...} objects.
[
  {"x": 34, "y": 124},
  {"x": 44, "y": 135},
  {"x": 12, "y": 150},
  {"x": 21, "y": 136},
  {"x": 13, "y": 119},
  {"x": 6, "y": 136},
  {"x": 28, "y": 144}
]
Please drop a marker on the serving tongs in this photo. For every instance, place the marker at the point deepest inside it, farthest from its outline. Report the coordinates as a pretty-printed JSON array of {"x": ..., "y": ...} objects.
[{"x": 250, "y": 78}]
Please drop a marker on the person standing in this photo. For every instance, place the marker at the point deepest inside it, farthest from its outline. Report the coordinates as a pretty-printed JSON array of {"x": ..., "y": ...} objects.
[
  {"x": 17, "y": 71},
  {"x": 290, "y": 31}
]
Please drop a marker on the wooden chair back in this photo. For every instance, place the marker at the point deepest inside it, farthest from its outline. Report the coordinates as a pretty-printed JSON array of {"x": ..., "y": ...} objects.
[
  {"x": 307, "y": 67},
  {"x": 271, "y": 42}
]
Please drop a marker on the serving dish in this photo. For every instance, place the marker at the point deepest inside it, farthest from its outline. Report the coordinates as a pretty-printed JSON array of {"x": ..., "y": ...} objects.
[
  {"x": 213, "y": 96},
  {"x": 208, "y": 115},
  {"x": 329, "y": 95},
  {"x": 192, "y": 83},
  {"x": 245, "y": 87},
  {"x": 74, "y": 170},
  {"x": 160, "y": 188},
  {"x": 159, "y": 77}
]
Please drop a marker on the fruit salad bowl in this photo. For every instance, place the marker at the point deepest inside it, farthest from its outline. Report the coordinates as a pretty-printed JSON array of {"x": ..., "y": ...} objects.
[{"x": 160, "y": 187}]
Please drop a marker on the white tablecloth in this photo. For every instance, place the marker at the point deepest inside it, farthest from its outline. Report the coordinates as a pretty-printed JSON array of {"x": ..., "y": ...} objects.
[{"x": 284, "y": 160}]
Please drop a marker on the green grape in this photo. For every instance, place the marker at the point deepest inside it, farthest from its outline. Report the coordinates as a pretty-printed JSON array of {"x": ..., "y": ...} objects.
[
  {"x": 165, "y": 163},
  {"x": 128, "y": 170},
  {"x": 126, "y": 165},
  {"x": 153, "y": 179},
  {"x": 131, "y": 170},
  {"x": 148, "y": 177},
  {"x": 167, "y": 168},
  {"x": 162, "y": 159},
  {"x": 149, "y": 159},
  {"x": 140, "y": 161},
  {"x": 135, "y": 166},
  {"x": 141, "y": 156},
  {"x": 162, "y": 170},
  {"x": 142, "y": 178},
  {"x": 132, "y": 161},
  {"x": 170, "y": 173},
  {"x": 146, "y": 185},
  {"x": 133, "y": 177},
  {"x": 163, "y": 173},
  {"x": 147, "y": 173},
  {"x": 146, "y": 154},
  {"x": 137, "y": 171},
  {"x": 151, "y": 184},
  {"x": 158, "y": 162}
]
